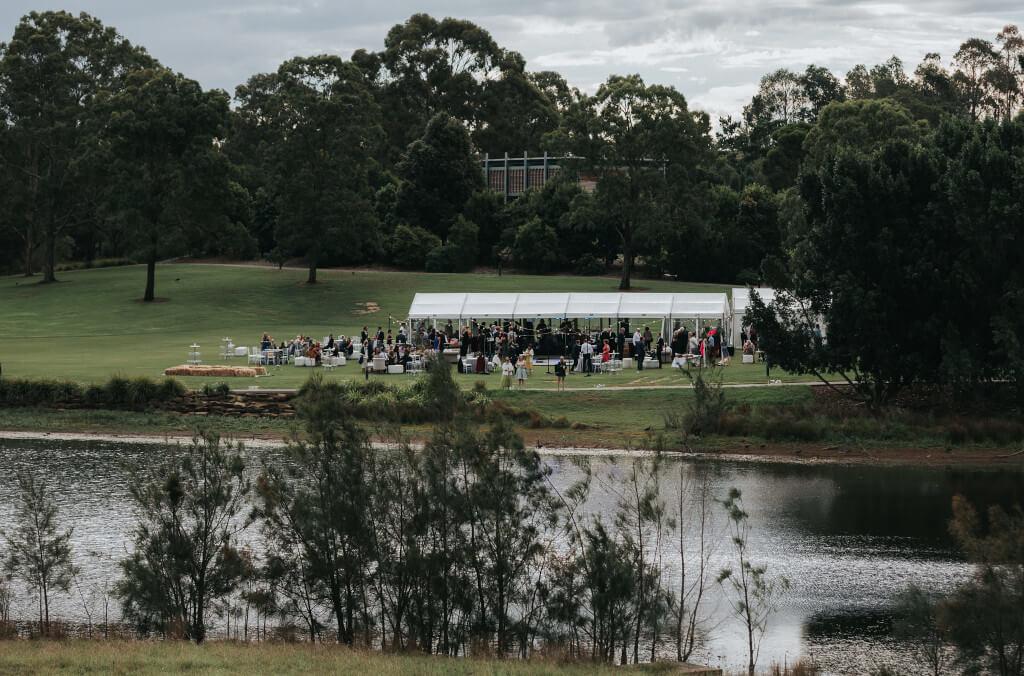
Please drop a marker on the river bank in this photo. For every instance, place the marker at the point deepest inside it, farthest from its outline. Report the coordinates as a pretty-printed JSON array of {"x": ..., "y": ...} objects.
[{"x": 737, "y": 450}]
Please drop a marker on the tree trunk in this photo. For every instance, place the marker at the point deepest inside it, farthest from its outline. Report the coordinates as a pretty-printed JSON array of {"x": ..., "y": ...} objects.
[
  {"x": 199, "y": 625},
  {"x": 627, "y": 257},
  {"x": 627, "y": 268},
  {"x": 312, "y": 272},
  {"x": 46, "y": 607},
  {"x": 50, "y": 264},
  {"x": 150, "y": 279},
  {"x": 29, "y": 246}
]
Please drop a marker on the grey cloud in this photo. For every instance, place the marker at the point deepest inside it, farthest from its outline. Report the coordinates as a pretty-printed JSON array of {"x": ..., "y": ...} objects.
[{"x": 715, "y": 53}]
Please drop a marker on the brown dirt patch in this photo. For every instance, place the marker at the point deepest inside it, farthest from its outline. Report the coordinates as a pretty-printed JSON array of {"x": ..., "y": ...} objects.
[{"x": 368, "y": 307}]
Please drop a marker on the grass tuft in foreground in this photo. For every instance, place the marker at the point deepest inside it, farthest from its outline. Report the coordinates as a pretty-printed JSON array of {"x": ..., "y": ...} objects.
[{"x": 144, "y": 658}]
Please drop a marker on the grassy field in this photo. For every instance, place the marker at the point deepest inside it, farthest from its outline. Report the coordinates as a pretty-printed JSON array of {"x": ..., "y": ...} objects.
[
  {"x": 152, "y": 658},
  {"x": 612, "y": 419},
  {"x": 91, "y": 324}
]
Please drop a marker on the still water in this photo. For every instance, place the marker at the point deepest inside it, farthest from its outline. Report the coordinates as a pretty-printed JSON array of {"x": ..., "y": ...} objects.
[{"x": 849, "y": 538}]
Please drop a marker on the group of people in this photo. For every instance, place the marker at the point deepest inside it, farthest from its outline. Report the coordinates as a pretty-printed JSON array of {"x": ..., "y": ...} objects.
[
  {"x": 508, "y": 347},
  {"x": 304, "y": 346},
  {"x": 705, "y": 345}
]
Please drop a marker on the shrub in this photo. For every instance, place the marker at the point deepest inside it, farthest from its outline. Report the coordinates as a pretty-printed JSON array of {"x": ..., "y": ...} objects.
[
  {"x": 216, "y": 389},
  {"x": 447, "y": 258},
  {"x": 589, "y": 264},
  {"x": 536, "y": 247},
  {"x": 118, "y": 392},
  {"x": 409, "y": 245},
  {"x": 95, "y": 263},
  {"x": 792, "y": 428},
  {"x": 464, "y": 236},
  {"x": 234, "y": 241},
  {"x": 703, "y": 412},
  {"x": 21, "y": 392}
]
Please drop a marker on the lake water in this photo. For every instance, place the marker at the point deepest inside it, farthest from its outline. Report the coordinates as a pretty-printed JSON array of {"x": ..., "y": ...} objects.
[{"x": 849, "y": 538}]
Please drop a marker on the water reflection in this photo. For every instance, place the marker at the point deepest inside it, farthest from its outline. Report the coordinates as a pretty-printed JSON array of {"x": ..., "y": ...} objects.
[{"x": 849, "y": 538}]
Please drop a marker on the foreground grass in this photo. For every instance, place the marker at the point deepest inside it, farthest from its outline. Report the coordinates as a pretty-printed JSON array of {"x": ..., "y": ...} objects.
[
  {"x": 91, "y": 324},
  {"x": 144, "y": 658}
]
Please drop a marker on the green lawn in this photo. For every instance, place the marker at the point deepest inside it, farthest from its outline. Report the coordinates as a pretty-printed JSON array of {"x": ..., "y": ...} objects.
[
  {"x": 91, "y": 324},
  {"x": 611, "y": 419}
]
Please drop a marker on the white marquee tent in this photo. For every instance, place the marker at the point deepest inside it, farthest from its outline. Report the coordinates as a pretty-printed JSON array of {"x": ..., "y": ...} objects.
[
  {"x": 740, "y": 303},
  {"x": 664, "y": 306}
]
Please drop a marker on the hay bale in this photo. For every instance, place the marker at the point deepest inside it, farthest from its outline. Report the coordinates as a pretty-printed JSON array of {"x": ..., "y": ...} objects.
[{"x": 213, "y": 371}]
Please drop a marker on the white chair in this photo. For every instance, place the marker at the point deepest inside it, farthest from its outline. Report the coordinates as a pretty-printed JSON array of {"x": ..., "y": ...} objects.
[
  {"x": 396, "y": 368},
  {"x": 380, "y": 364},
  {"x": 254, "y": 355}
]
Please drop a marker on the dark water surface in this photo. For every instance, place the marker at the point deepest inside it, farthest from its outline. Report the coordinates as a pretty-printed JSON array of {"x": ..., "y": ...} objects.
[{"x": 849, "y": 538}]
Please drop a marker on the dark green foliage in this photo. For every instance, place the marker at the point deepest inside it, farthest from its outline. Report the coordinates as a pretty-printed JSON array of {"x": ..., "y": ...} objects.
[
  {"x": 118, "y": 393},
  {"x": 315, "y": 508},
  {"x": 536, "y": 247},
  {"x": 185, "y": 553},
  {"x": 459, "y": 253},
  {"x": 160, "y": 131},
  {"x": 219, "y": 390},
  {"x": 409, "y": 246},
  {"x": 589, "y": 264},
  {"x": 645, "y": 146},
  {"x": 54, "y": 71},
  {"x": 703, "y": 413},
  {"x": 913, "y": 234},
  {"x": 439, "y": 174},
  {"x": 319, "y": 126}
]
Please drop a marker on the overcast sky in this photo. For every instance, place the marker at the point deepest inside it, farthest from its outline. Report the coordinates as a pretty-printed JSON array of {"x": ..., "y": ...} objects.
[{"x": 713, "y": 51}]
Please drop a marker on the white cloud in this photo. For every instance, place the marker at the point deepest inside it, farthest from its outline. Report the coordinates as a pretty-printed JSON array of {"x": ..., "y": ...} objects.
[{"x": 724, "y": 100}]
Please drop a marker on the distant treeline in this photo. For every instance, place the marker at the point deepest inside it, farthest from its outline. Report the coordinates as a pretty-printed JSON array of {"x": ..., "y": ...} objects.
[{"x": 106, "y": 153}]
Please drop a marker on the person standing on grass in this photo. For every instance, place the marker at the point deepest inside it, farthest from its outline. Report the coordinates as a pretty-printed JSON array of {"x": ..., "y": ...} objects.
[
  {"x": 560, "y": 374},
  {"x": 507, "y": 369},
  {"x": 521, "y": 374},
  {"x": 587, "y": 352}
]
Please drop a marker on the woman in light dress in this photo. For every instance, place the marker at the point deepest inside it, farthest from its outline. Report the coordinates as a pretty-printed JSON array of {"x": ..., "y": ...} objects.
[
  {"x": 521, "y": 373},
  {"x": 507, "y": 369}
]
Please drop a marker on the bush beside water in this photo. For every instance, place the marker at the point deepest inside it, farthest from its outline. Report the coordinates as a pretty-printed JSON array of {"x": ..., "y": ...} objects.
[{"x": 118, "y": 393}]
